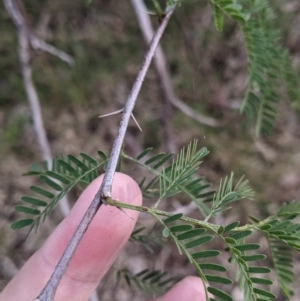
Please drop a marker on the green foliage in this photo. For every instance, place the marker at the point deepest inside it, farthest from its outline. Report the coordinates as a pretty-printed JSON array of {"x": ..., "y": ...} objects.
[
  {"x": 193, "y": 237},
  {"x": 228, "y": 194},
  {"x": 283, "y": 263},
  {"x": 69, "y": 172},
  {"x": 146, "y": 239},
  {"x": 249, "y": 275},
  {"x": 185, "y": 165},
  {"x": 153, "y": 283},
  {"x": 179, "y": 176},
  {"x": 269, "y": 65}
]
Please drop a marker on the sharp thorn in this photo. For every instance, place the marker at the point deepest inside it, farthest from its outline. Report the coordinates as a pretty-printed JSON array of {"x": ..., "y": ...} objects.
[
  {"x": 111, "y": 114},
  {"x": 124, "y": 212},
  {"x": 136, "y": 122}
]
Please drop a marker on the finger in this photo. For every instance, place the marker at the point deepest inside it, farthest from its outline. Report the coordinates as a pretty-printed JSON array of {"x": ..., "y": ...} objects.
[
  {"x": 189, "y": 289},
  {"x": 107, "y": 234}
]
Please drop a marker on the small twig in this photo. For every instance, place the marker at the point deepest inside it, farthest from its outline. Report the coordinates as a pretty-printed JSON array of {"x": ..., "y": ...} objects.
[
  {"x": 39, "y": 44},
  {"x": 104, "y": 193},
  {"x": 162, "y": 70},
  {"x": 33, "y": 40}
]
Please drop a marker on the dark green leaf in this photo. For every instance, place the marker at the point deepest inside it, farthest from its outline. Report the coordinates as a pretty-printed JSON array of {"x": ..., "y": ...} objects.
[
  {"x": 34, "y": 201},
  {"x": 143, "y": 272},
  {"x": 154, "y": 158},
  {"x": 191, "y": 233},
  {"x": 236, "y": 251},
  {"x": 255, "y": 220},
  {"x": 151, "y": 274},
  {"x": 163, "y": 160},
  {"x": 220, "y": 294},
  {"x": 27, "y": 210},
  {"x": 102, "y": 155},
  {"x": 231, "y": 226},
  {"x": 68, "y": 167},
  {"x": 158, "y": 277},
  {"x": 88, "y": 159},
  {"x": 261, "y": 281},
  {"x": 218, "y": 17},
  {"x": 264, "y": 293},
  {"x": 237, "y": 17},
  {"x": 265, "y": 227},
  {"x": 260, "y": 270},
  {"x": 58, "y": 177},
  {"x": 221, "y": 230},
  {"x": 78, "y": 163},
  {"x": 21, "y": 223},
  {"x": 218, "y": 279},
  {"x": 255, "y": 257},
  {"x": 247, "y": 247},
  {"x": 173, "y": 218},
  {"x": 199, "y": 241},
  {"x": 242, "y": 262},
  {"x": 206, "y": 254},
  {"x": 42, "y": 192},
  {"x": 281, "y": 225},
  {"x": 212, "y": 266},
  {"x": 230, "y": 240},
  {"x": 51, "y": 183},
  {"x": 180, "y": 228},
  {"x": 288, "y": 237},
  {"x": 127, "y": 280},
  {"x": 138, "y": 230},
  {"x": 144, "y": 153},
  {"x": 240, "y": 235}
]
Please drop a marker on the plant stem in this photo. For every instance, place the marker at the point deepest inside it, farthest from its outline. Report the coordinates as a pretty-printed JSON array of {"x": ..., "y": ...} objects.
[
  {"x": 154, "y": 212},
  {"x": 104, "y": 192}
]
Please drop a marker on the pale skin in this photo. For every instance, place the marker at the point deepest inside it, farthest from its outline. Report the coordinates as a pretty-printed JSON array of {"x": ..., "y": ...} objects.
[{"x": 103, "y": 241}]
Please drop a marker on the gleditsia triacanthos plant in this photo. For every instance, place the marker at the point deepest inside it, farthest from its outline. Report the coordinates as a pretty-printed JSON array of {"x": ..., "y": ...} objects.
[{"x": 269, "y": 68}]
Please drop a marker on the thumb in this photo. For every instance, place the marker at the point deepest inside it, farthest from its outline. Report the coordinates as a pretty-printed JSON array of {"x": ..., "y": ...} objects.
[{"x": 107, "y": 234}]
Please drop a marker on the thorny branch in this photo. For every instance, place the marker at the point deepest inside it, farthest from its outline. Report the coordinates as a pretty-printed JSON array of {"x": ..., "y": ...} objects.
[
  {"x": 104, "y": 192},
  {"x": 27, "y": 38}
]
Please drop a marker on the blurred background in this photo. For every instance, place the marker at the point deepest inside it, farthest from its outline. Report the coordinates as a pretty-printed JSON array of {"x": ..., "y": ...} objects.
[{"x": 208, "y": 70}]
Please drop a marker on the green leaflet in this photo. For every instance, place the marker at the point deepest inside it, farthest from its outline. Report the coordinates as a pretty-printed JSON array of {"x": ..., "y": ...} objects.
[
  {"x": 176, "y": 177},
  {"x": 69, "y": 172},
  {"x": 220, "y": 294},
  {"x": 155, "y": 283},
  {"x": 218, "y": 16},
  {"x": 227, "y": 194},
  {"x": 173, "y": 218},
  {"x": 22, "y": 223}
]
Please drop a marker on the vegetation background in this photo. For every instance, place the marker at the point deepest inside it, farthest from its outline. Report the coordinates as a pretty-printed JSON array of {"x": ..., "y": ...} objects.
[{"x": 208, "y": 72}]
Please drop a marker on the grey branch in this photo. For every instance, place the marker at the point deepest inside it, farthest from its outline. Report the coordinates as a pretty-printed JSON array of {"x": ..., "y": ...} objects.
[
  {"x": 24, "y": 57},
  {"x": 162, "y": 70},
  {"x": 104, "y": 192}
]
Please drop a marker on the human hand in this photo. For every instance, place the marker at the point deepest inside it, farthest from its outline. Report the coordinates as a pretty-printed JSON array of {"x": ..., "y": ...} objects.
[{"x": 100, "y": 246}]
